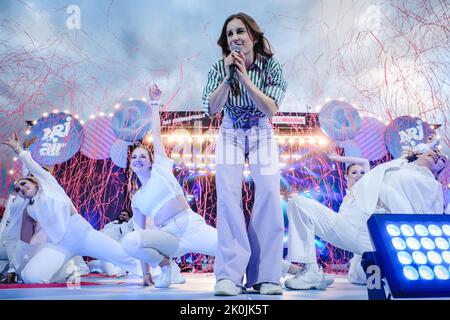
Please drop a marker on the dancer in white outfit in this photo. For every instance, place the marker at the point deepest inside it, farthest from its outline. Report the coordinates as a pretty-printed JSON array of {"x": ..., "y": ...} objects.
[
  {"x": 179, "y": 230},
  {"x": 21, "y": 238},
  {"x": 67, "y": 232},
  {"x": 10, "y": 234},
  {"x": 399, "y": 186},
  {"x": 354, "y": 170}
]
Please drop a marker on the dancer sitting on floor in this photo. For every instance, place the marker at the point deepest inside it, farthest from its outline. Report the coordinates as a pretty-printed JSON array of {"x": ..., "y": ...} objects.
[
  {"x": 178, "y": 230},
  {"x": 67, "y": 232},
  {"x": 399, "y": 186}
]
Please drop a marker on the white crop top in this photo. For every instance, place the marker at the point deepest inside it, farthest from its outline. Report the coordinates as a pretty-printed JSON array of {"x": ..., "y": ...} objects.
[{"x": 159, "y": 189}]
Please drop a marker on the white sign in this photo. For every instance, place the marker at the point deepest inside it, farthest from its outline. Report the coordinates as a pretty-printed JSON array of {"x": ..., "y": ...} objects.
[
  {"x": 289, "y": 120},
  {"x": 52, "y": 147}
]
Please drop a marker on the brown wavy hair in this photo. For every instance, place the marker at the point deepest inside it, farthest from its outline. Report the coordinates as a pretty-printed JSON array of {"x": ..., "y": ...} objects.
[{"x": 261, "y": 45}]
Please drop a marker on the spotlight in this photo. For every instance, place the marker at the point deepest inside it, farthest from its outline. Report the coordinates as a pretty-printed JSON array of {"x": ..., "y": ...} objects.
[
  {"x": 323, "y": 141},
  {"x": 171, "y": 140},
  {"x": 412, "y": 252}
]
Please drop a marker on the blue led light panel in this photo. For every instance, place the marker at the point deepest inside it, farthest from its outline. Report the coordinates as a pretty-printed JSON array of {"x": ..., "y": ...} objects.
[{"x": 413, "y": 251}]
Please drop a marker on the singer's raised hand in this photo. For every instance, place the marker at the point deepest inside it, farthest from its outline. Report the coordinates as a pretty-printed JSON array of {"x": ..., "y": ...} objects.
[
  {"x": 239, "y": 61},
  {"x": 229, "y": 61}
]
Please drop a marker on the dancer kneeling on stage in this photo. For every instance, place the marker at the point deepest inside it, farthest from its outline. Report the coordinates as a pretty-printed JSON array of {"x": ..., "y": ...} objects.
[
  {"x": 400, "y": 186},
  {"x": 68, "y": 233},
  {"x": 179, "y": 230}
]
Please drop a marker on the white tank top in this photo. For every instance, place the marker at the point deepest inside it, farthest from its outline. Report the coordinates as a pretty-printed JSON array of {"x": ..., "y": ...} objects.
[{"x": 159, "y": 189}]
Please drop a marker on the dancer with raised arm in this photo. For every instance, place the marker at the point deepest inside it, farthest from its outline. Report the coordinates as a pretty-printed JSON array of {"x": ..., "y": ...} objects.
[
  {"x": 178, "y": 230},
  {"x": 68, "y": 233}
]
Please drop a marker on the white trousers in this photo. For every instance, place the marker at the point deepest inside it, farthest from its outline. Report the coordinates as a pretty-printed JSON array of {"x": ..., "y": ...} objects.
[
  {"x": 256, "y": 249},
  {"x": 308, "y": 218},
  {"x": 79, "y": 239},
  {"x": 184, "y": 233},
  {"x": 4, "y": 261}
]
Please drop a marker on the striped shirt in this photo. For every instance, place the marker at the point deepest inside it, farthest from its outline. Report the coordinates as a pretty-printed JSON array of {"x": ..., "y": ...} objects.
[{"x": 266, "y": 74}]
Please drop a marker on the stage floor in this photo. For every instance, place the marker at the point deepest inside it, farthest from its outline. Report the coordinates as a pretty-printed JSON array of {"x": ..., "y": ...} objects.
[{"x": 197, "y": 287}]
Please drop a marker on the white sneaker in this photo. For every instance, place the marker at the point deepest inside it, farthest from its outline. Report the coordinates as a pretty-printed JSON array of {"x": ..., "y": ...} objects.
[
  {"x": 328, "y": 279},
  {"x": 309, "y": 279},
  {"x": 226, "y": 287},
  {"x": 122, "y": 273},
  {"x": 177, "y": 278},
  {"x": 270, "y": 289},
  {"x": 356, "y": 274},
  {"x": 165, "y": 279}
]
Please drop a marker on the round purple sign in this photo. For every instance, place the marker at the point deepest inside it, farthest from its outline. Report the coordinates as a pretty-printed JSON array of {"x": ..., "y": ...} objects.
[
  {"x": 132, "y": 121},
  {"x": 339, "y": 120},
  {"x": 405, "y": 132}
]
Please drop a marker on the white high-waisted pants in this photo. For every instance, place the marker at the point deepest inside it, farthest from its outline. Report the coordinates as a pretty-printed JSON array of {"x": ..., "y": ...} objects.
[
  {"x": 184, "y": 233},
  {"x": 308, "y": 218}
]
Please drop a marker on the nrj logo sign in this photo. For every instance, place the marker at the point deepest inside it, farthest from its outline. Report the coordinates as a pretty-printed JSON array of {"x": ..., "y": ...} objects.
[{"x": 51, "y": 145}]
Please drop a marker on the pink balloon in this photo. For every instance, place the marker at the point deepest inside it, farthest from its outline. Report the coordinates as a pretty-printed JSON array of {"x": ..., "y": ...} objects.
[
  {"x": 370, "y": 139},
  {"x": 98, "y": 138}
]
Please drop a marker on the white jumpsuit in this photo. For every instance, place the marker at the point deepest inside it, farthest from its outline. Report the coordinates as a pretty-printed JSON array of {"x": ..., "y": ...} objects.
[{"x": 393, "y": 187}]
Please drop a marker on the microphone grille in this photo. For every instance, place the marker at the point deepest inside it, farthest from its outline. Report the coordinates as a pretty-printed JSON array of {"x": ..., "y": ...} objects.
[{"x": 236, "y": 47}]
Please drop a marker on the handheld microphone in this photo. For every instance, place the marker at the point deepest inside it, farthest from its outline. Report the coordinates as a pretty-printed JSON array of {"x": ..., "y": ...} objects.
[{"x": 236, "y": 48}]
